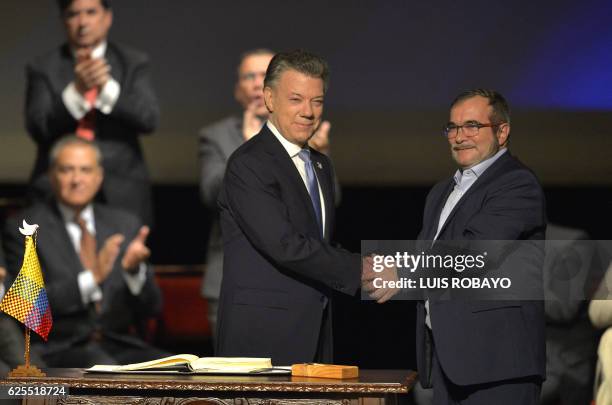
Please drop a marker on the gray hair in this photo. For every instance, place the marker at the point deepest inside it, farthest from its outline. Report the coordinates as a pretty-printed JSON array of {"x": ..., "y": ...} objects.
[
  {"x": 71, "y": 140},
  {"x": 298, "y": 60}
]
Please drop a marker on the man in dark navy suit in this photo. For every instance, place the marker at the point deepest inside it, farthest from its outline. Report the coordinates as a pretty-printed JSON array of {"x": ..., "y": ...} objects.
[
  {"x": 482, "y": 352},
  {"x": 277, "y": 215}
]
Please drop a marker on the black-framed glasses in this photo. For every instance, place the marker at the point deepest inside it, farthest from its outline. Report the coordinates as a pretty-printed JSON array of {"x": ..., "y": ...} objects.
[{"x": 470, "y": 128}]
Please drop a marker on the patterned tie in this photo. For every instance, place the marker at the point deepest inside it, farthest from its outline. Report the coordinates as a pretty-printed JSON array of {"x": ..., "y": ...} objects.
[
  {"x": 87, "y": 124},
  {"x": 313, "y": 186},
  {"x": 88, "y": 246},
  {"x": 88, "y": 255}
]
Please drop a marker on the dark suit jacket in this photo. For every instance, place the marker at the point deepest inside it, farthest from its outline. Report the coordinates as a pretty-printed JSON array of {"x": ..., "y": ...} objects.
[
  {"x": 217, "y": 142},
  {"x": 126, "y": 182},
  {"x": 486, "y": 341},
  {"x": 11, "y": 337},
  {"x": 278, "y": 273},
  {"x": 73, "y": 321}
]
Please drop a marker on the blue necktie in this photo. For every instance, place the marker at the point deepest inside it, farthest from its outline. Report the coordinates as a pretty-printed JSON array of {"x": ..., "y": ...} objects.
[{"x": 313, "y": 186}]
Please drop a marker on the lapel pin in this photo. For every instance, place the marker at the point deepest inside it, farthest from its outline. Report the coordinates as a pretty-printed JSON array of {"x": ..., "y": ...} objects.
[{"x": 319, "y": 165}]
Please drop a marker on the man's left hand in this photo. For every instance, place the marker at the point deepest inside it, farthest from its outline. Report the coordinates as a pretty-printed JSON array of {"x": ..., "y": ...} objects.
[
  {"x": 136, "y": 252},
  {"x": 320, "y": 140}
]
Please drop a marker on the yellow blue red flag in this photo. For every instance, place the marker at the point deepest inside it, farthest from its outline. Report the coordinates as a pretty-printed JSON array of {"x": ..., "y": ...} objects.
[{"x": 26, "y": 300}]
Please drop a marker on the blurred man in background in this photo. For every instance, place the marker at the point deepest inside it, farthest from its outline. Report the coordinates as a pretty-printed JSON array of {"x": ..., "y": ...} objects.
[
  {"x": 98, "y": 90},
  {"x": 101, "y": 289}
]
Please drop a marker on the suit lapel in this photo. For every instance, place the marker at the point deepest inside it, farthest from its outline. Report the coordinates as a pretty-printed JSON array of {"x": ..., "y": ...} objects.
[
  {"x": 65, "y": 69},
  {"x": 57, "y": 239},
  {"x": 114, "y": 60},
  {"x": 103, "y": 231},
  {"x": 234, "y": 137},
  {"x": 440, "y": 202},
  {"x": 480, "y": 182},
  {"x": 288, "y": 168}
]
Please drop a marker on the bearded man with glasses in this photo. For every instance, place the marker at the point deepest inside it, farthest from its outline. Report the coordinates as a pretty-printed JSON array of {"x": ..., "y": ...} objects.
[{"x": 482, "y": 352}]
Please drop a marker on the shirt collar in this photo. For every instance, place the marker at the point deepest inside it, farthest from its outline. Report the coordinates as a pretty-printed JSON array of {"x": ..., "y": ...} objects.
[
  {"x": 68, "y": 213},
  {"x": 98, "y": 52},
  {"x": 291, "y": 148},
  {"x": 477, "y": 170}
]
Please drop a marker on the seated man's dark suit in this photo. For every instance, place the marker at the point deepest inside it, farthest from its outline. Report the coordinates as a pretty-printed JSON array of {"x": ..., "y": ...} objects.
[
  {"x": 121, "y": 314},
  {"x": 483, "y": 342},
  {"x": 278, "y": 270},
  {"x": 11, "y": 336},
  {"x": 126, "y": 180}
]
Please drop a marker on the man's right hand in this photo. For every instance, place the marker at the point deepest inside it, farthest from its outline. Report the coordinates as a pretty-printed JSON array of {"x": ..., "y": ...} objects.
[
  {"x": 368, "y": 275},
  {"x": 2, "y": 274},
  {"x": 90, "y": 73},
  {"x": 251, "y": 123},
  {"x": 107, "y": 256}
]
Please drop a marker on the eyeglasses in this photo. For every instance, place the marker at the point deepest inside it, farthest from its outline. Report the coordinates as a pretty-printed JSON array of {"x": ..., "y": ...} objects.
[{"x": 470, "y": 128}]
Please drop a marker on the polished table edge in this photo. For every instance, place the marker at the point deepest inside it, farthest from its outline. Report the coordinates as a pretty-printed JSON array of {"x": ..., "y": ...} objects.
[{"x": 77, "y": 378}]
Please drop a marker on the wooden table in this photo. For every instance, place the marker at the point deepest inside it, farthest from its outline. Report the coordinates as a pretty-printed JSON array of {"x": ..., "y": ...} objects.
[{"x": 372, "y": 387}]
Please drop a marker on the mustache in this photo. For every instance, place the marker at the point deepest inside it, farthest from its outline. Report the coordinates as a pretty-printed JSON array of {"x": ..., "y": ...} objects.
[{"x": 463, "y": 147}]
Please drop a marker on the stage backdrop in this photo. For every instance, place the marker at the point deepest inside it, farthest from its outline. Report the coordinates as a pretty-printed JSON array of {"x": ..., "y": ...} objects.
[{"x": 395, "y": 67}]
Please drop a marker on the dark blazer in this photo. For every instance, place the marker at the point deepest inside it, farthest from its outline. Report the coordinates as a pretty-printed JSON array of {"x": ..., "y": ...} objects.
[
  {"x": 217, "y": 142},
  {"x": 486, "y": 341},
  {"x": 73, "y": 321},
  {"x": 126, "y": 181},
  {"x": 278, "y": 272}
]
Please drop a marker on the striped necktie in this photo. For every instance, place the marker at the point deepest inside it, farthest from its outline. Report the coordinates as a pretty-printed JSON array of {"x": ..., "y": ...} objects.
[
  {"x": 313, "y": 186},
  {"x": 86, "y": 127}
]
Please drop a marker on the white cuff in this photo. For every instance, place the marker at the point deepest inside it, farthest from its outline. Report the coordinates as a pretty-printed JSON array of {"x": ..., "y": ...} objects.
[
  {"x": 90, "y": 291},
  {"x": 2, "y": 291},
  {"x": 75, "y": 103},
  {"x": 108, "y": 96},
  {"x": 136, "y": 281}
]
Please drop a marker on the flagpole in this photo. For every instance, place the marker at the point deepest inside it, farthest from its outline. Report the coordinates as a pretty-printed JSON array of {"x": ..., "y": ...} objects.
[{"x": 26, "y": 355}]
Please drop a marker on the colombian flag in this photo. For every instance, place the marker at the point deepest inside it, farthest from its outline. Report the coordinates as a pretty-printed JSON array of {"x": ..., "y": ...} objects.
[{"x": 26, "y": 300}]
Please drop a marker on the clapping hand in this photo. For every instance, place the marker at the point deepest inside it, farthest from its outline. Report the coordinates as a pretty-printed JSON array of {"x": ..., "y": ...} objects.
[
  {"x": 320, "y": 140},
  {"x": 251, "y": 122},
  {"x": 90, "y": 73},
  {"x": 107, "y": 256},
  {"x": 137, "y": 251}
]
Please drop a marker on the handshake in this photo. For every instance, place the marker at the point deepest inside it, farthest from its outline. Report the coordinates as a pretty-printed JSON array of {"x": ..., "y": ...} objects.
[{"x": 382, "y": 277}]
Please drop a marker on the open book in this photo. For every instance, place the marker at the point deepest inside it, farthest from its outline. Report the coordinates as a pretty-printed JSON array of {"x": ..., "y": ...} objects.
[{"x": 188, "y": 363}]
